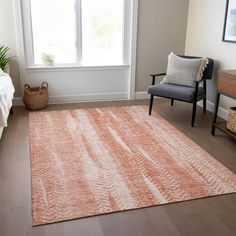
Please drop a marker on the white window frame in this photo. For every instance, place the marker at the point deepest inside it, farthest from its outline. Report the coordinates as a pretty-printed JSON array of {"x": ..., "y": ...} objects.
[
  {"x": 130, "y": 47},
  {"x": 28, "y": 36}
]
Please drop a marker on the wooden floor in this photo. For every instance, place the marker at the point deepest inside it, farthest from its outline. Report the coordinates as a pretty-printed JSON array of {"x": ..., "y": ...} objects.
[{"x": 211, "y": 216}]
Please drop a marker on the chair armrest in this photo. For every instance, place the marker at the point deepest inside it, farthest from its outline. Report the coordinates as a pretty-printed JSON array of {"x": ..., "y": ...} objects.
[
  {"x": 160, "y": 74},
  {"x": 154, "y": 77}
]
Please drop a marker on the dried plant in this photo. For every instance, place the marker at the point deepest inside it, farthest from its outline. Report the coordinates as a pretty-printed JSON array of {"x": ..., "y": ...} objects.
[{"x": 48, "y": 59}]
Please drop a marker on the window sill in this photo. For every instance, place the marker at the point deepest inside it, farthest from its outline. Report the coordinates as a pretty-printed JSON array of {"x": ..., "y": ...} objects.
[{"x": 68, "y": 68}]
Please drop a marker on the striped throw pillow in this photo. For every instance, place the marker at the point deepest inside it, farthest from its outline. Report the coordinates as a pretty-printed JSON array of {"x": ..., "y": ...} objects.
[{"x": 184, "y": 71}]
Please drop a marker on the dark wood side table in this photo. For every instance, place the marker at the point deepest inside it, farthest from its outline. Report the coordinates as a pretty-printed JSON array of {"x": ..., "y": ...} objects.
[{"x": 227, "y": 87}]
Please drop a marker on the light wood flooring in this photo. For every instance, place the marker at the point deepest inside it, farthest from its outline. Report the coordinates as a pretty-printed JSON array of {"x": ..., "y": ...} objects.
[{"x": 210, "y": 216}]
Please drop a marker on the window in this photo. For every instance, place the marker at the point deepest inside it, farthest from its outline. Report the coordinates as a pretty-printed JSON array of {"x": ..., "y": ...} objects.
[
  {"x": 102, "y": 26},
  {"x": 83, "y": 32},
  {"x": 53, "y": 30}
]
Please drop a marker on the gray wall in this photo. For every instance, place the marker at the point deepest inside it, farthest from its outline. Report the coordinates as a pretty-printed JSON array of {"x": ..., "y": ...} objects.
[
  {"x": 162, "y": 29},
  {"x": 204, "y": 38}
]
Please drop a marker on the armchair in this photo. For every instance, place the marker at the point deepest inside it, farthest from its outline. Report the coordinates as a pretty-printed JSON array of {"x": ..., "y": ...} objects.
[{"x": 180, "y": 92}]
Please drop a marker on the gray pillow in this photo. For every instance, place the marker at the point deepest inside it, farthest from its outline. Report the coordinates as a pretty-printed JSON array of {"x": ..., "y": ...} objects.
[{"x": 184, "y": 71}]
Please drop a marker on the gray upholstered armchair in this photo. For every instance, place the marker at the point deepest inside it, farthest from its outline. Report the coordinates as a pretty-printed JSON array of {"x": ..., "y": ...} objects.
[{"x": 180, "y": 92}]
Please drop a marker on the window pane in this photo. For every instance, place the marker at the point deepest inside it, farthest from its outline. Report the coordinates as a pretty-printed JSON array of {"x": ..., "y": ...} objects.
[
  {"x": 102, "y": 32},
  {"x": 53, "y": 26}
]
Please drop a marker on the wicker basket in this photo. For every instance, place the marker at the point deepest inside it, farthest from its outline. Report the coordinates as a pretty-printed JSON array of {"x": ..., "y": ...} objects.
[
  {"x": 36, "y": 97},
  {"x": 231, "y": 123}
]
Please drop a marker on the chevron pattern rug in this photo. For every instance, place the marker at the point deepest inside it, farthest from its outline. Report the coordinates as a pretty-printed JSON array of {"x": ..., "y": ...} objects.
[{"x": 93, "y": 161}]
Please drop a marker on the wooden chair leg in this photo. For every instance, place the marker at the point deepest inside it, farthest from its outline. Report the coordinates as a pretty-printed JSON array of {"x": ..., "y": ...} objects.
[
  {"x": 213, "y": 128},
  {"x": 172, "y": 102},
  {"x": 204, "y": 105},
  {"x": 205, "y": 92},
  {"x": 194, "y": 113},
  {"x": 194, "y": 104},
  {"x": 150, "y": 104}
]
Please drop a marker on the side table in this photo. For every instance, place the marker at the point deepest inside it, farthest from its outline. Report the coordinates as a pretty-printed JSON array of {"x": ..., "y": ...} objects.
[{"x": 227, "y": 87}]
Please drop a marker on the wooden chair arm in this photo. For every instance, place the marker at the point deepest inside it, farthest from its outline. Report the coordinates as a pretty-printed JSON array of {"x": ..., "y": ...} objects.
[
  {"x": 154, "y": 77},
  {"x": 160, "y": 74}
]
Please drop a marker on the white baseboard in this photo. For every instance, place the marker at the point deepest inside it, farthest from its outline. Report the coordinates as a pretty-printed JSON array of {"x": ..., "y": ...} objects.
[
  {"x": 223, "y": 113},
  {"x": 88, "y": 98},
  {"x": 17, "y": 102},
  {"x": 141, "y": 95},
  {"x": 66, "y": 99}
]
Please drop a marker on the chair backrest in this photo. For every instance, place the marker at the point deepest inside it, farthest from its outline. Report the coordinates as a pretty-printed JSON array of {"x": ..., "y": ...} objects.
[{"x": 208, "y": 72}]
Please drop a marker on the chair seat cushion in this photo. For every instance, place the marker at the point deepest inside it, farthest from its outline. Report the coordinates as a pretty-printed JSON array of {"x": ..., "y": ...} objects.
[{"x": 174, "y": 91}]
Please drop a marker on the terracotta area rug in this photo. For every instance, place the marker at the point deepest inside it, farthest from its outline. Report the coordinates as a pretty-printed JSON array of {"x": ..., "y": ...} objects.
[{"x": 94, "y": 161}]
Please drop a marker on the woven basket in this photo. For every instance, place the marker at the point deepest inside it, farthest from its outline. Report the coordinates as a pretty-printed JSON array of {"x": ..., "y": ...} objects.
[
  {"x": 36, "y": 97},
  {"x": 231, "y": 123}
]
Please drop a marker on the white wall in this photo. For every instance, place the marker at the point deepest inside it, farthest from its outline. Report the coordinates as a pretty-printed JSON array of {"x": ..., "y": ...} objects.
[
  {"x": 162, "y": 29},
  {"x": 78, "y": 85},
  {"x": 8, "y": 38},
  {"x": 204, "y": 38}
]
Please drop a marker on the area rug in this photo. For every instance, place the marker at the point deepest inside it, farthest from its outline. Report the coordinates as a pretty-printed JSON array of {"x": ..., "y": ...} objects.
[{"x": 87, "y": 162}]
